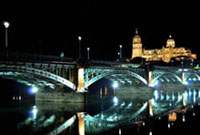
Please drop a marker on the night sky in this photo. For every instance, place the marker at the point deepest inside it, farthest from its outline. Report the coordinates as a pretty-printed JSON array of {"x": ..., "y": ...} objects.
[{"x": 53, "y": 27}]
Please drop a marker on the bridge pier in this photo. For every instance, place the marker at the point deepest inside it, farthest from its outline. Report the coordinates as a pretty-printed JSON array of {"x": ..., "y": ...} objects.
[
  {"x": 151, "y": 108},
  {"x": 183, "y": 76},
  {"x": 149, "y": 78},
  {"x": 81, "y": 123},
  {"x": 81, "y": 82}
]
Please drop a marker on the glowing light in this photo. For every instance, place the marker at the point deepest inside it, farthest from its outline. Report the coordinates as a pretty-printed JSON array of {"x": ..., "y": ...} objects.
[
  {"x": 194, "y": 93},
  {"x": 33, "y": 90},
  {"x": 185, "y": 82},
  {"x": 179, "y": 96},
  {"x": 167, "y": 97},
  {"x": 168, "y": 125},
  {"x": 81, "y": 80},
  {"x": 199, "y": 93},
  {"x": 33, "y": 112},
  {"x": 173, "y": 97},
  {"x": 152, "y": 101},
  {"x": 82, "y": 115},
  {"x": 185, "y": 94},
  {"x": 79, "y": 38},
  {"x": 179, "y": 69},
  {"x": 156, "y": 83},
  {"x": 190, "y": 93},
  {"x": 156, "y": 94},
  {"x": 120, "y": 132},
  {"x": 183, "y": 119},
  {"x": 20, "y": 97},
  {"x": 184, "y": 98},
  {"x": 6, "y": 24},
  {"x": 172, "y": 117},
  {"x": 194, "y": 98},
  {"x": 115, "y": 100},
  {"x": 161, "y": 96},
  {"x": 115, "y": 84}
]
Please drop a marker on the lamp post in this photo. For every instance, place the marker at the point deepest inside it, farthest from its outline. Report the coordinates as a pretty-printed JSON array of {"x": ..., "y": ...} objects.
[
  {"x": 120, "y": 46},
  {"x": 88, "y": 53},
  {"x": 6, "y": 25},
  {"x": 79, "y": 39},
  {"x": 192, "y": 62},
  {"x": 182, "y": 59}
]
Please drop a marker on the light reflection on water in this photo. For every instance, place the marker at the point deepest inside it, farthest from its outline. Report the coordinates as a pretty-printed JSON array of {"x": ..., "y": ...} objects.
[{"x": 114, "y": 115}]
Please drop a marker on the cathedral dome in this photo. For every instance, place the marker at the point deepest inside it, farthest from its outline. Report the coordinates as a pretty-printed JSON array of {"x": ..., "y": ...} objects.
[{"x": 170, "y": 42}]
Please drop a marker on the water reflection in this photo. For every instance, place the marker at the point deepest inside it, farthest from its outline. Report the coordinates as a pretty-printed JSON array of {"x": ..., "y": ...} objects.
[
  {"x": 115, "y": 115},
  {"x": 128, "y": 112},
  {"x": 39, "y": 118}
]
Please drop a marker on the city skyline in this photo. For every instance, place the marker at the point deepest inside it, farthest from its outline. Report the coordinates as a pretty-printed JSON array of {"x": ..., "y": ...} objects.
[{"x": 102, "y": 25}]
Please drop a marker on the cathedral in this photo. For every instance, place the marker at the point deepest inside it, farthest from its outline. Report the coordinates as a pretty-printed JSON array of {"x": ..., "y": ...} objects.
[{"x": 165, "y": 54}]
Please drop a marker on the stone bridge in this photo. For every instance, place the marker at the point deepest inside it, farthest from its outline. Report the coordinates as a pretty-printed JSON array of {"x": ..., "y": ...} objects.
[{"x": 53, "y": 72}]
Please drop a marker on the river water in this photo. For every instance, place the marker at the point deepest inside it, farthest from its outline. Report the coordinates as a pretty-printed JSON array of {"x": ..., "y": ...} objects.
[{"x": 171, "y": 114}]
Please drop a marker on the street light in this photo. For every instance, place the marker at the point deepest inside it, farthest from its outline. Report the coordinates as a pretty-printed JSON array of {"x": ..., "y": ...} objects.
[
  {"x": 115, "y": 85},
  {"x": 120, "y": 46},
  {"x": 192, "y": 62},
  {"x": 88, "y": 53},
  {"x": 79, "y": 39},
  {"x": 6, "y": 25},
  {"x": 33, "y": 90}
]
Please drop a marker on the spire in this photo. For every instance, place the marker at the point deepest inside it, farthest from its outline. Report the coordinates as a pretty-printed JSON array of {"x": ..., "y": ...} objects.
[
  {"x": 136, "y": 31},
  {"x": 136, "y": 38},
  {"x": 170, "y": 36}
]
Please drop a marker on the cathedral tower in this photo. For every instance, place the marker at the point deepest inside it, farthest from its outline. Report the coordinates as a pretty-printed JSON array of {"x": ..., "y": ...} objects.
[{"x": 136, "y": 46}]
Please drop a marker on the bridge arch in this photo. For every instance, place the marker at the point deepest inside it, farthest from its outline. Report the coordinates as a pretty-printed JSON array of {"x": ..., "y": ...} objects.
[
  {"x": 107, "y": 124},
  {"x": 190, "y": 74},
  {"x": 109, "y": 73},
  {"x": 5, "y": 69},
  {"x": 167, "y": 74}
]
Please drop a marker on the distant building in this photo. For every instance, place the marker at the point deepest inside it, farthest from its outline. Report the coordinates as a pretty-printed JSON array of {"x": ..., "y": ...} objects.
[{"x": 165, "y": 54}]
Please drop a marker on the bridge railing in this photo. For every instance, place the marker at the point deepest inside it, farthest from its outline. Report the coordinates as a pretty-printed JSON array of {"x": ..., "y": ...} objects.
[
  {"x": 6, "y": 56},
  {"x": 177, "y": 68},
  {"x": 113, "y": 63}
]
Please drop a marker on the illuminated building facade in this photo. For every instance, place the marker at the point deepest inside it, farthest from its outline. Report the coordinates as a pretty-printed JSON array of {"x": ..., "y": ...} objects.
[{"x": 165, "y": 54}]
